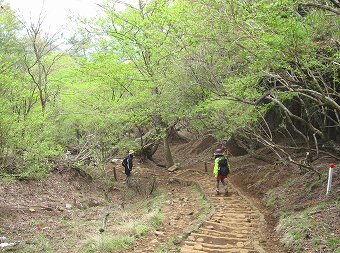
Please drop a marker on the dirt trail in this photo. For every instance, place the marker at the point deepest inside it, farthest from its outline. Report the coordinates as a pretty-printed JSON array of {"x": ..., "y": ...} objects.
[{"x": 233, "y": 226}]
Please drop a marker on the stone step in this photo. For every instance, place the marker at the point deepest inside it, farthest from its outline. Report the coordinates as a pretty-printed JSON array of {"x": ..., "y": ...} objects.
[
  {"x": 233, "y": 218},
  {"x": 201, "y": 248},
  {"x": 227, "y": 229},
  {"x": 218, "y": 227},
  {"x": 222, "y": 233},
  {"x": 229, "y": 222},
  {"x": 232, "y": 228},
  {"x": 239, "y": 245},
  {"x": 218, "y": 240}
]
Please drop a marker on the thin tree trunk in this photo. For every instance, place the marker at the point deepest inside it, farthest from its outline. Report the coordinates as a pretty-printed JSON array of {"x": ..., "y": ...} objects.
[{"x": 167, "y": 151}]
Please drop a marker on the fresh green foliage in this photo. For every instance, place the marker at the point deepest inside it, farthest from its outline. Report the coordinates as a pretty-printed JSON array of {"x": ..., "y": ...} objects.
[
  {"x": 217, "y": 67},
  {"x": 255, "y": 70}
]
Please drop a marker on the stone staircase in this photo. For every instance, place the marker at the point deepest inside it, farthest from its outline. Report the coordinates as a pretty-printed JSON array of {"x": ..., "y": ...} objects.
[{"x": 233, "y": 226}]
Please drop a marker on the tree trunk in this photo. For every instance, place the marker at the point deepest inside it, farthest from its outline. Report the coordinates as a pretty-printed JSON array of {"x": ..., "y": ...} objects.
[{"x": 167, "y": 152}]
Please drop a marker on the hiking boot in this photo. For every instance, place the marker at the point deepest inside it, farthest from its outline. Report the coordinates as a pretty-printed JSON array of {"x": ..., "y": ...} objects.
[
  {"x": 217, "y": 193},
  {"x": 226, "y": 193}
]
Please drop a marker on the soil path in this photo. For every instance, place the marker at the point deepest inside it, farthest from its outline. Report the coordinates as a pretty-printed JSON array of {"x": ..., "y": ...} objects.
[{"x": 234, "y": 224}]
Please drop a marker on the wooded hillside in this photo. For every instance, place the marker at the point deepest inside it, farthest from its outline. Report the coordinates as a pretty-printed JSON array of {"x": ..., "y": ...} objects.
[{"x": 260, "y": 72}]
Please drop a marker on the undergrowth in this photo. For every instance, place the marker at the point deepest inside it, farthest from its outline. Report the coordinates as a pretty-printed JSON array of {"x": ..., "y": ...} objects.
[
  {"x": 127, "y": 224},
  {"x": 204, "y": 203},
  {"x": 171, "y": 244},
  {"x": 40, "y": 244},
  {"x": 106, "y": 243},
  {"x": 300, "y": 227}
]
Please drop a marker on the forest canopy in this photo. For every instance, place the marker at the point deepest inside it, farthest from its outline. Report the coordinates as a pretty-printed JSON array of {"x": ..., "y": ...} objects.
[{"x": 259, "y": 72}]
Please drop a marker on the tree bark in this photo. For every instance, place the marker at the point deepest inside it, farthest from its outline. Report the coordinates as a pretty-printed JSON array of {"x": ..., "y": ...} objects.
[{"x": 167, "y": 152}]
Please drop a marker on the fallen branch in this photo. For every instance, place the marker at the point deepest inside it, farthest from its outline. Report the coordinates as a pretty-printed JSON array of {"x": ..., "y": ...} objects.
[{"x": 310, "y": 168}]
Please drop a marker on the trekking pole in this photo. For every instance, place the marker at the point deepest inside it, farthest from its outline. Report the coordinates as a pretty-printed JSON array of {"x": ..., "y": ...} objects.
[{"x": 330, "y": 173}]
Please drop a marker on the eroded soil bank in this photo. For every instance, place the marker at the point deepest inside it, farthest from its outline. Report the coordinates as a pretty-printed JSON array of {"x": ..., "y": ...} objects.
[{"x": 295, "y": 204}]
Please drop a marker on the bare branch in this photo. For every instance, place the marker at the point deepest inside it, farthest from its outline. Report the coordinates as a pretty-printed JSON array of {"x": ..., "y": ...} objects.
[
  {"x": 326, "y": 99},
  {"x": 336, "y": 3},
  {"x": 323, "y": 7}
]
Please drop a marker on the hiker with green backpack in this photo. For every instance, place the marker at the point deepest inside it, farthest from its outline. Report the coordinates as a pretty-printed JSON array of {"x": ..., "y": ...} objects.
[{"x": 221, "y": 170}]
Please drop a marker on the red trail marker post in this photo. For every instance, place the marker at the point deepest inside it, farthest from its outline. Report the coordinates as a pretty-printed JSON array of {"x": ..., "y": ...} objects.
[{"x": 330, "y": 174}]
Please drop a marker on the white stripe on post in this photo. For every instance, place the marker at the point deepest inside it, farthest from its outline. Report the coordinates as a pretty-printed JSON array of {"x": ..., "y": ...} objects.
[{"x": 330, "y": 173}]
